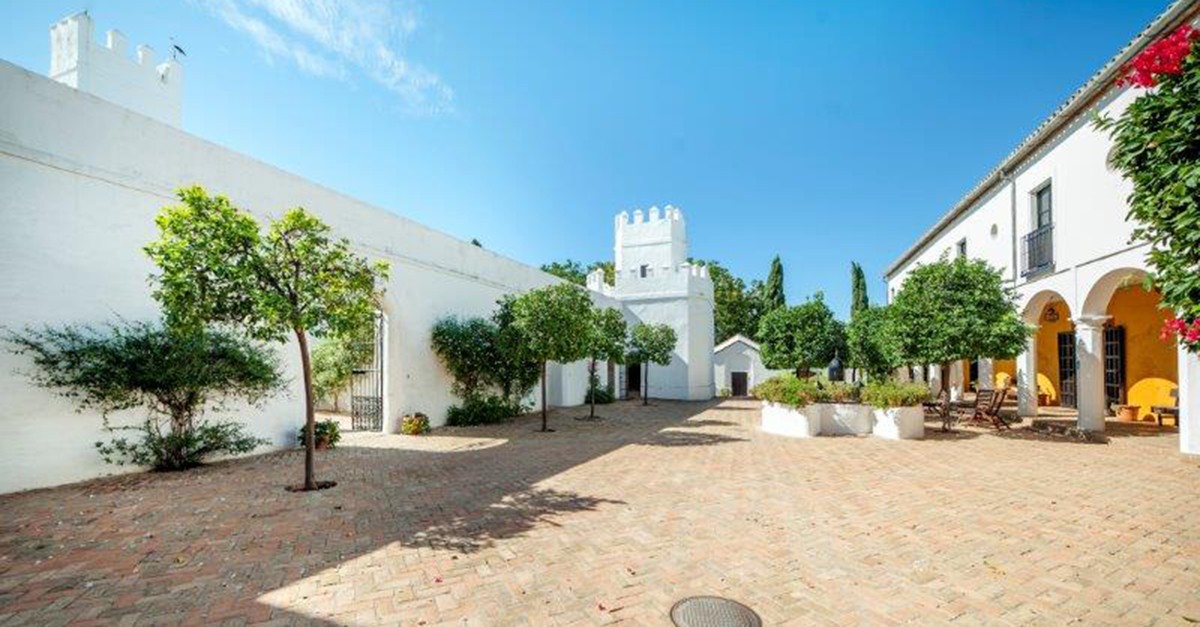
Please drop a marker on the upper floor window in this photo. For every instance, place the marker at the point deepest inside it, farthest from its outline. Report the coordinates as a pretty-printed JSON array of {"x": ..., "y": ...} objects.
[
  {"x": 644, "y": 270},
  {"x": 961, "y": 248},
  {"x": 1043, "y": 207}
]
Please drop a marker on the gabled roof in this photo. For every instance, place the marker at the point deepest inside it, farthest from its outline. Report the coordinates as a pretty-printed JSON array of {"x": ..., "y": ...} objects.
[
  {"x": 734, "y": 340},
  {"x": 1177, "y": 13}
]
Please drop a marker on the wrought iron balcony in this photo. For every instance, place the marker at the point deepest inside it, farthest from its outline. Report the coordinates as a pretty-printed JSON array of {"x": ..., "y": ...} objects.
[{"x": 1037, "y": 250}]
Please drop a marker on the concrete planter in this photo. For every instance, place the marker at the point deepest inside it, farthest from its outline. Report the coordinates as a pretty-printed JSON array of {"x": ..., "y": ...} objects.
[
  {"x": 845, "y": 418},
  {"x": 899, "y": 423},
  {"x": 802, "y": 422}
]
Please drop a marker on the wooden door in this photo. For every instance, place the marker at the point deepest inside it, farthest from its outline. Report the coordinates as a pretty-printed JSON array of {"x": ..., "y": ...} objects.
[{"x": 740, "y": 387}]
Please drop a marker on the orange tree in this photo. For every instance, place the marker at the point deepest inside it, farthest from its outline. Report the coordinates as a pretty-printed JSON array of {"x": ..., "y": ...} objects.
[{"x": 217, "y": 266}]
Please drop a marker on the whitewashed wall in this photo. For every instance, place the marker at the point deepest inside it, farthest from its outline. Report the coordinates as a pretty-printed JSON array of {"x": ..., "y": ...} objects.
[
  {"x": 82, "y": 180},
  {"x": 740, "y": 357}
]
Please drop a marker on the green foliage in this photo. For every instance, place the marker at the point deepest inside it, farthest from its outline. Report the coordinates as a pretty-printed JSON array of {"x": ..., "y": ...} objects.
[
  {"x": 652, "y": 343},
  {"x": 606, "y": 335},
  {"x": 328, "y": 433},
  {"x": 872, "y": 344},
  {"x": 773, "y": 289},
  {"x": 414, "y": 424},
  {"x": 569, "y": 270},
  {"x": 482, "y": 409},
  {"x": 555, "y": 322},
  {"x": 174, "y": 375},
  {"x": 1156, "y": 145},
  {"x": 960, "y": 309},
  {"x": 788, "y": 389},
  {"x": 216, "y": 265},
  {"x": 886, "y": 394},
  {"x": 800, "y": 337},
  {"x": 168, "y": 450},
  {"x": 514, "y": 368},
  {"x": 334, "y": 360},
  {"x": 858, "y": 290},
  {"x": 736, "y": 307},
  {"x": 468, "y": 349},
  {"x": 575, "y": 272},
  {"x": 597, "y": 395}
]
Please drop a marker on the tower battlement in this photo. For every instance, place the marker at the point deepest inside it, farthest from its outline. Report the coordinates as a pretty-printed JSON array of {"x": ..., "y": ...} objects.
[{"x": 107, "y": 71}]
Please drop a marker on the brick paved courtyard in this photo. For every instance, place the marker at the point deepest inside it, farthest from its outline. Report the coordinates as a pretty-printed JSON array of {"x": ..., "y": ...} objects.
[{"x": 613, "y": 521}]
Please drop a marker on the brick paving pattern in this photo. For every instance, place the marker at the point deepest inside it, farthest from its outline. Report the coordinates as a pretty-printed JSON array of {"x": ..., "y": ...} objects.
[{"x": 614, "y": 521}]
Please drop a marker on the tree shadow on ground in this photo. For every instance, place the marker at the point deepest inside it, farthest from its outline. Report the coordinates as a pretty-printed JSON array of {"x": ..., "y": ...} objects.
[{"x": 232, "y": 531}]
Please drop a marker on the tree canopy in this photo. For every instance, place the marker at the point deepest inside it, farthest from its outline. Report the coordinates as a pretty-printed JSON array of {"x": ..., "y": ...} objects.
[
  {"x": 216, "y": 265},
  {"x": 576, "y": 272},
  {"x": 871, "y": 342},
  {"x": 952, "y": 310},
  {"x": 737, "y": 308},
  {"x": 606, "y": 341},
  {"x": 773, "y": 288},
  {"x": 858, "y": 289},
  {"x": 802, "y": 336},
  {"x": 651, "y": 344}
]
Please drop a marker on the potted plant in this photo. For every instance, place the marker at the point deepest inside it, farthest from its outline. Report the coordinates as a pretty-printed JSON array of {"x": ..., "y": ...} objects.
[
  {"x": 415, "y": 423},
  {"x": 897, "y": 410},
  {"x": 788, "y": 407},
  {"x": 1126, "y": 413},
  {"x": 326, "y": 434}
]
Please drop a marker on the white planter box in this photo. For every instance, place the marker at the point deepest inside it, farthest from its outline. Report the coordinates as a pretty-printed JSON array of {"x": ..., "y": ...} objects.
[
  {"x": 845, "y": 418},
  {"x": 790, "y": 421},
  {"x": 900, "y": 423}
]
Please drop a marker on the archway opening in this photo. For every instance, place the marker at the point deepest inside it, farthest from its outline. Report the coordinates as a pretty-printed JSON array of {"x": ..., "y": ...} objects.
[
  {"x": 1140, "y": 368},
  {"x": 1056, "y": 363}
]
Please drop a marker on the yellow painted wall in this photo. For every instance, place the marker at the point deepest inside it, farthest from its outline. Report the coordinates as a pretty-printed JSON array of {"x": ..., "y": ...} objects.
[
  {"x": 1151, "y": 370},
  {"x": 1047, "y": 350},
  {"x": 1004, "y": 371}
]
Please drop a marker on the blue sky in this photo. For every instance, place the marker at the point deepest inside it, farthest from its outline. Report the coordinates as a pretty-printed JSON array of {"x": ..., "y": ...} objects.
[{"x": 823, "y": 132}]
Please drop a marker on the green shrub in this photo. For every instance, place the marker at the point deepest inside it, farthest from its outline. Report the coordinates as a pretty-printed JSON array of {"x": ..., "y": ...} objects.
[
  {"x": 724, "y": 393},
  {"x": 603, "y": 396},
  {"x": 837, "y": 393},
  {"x": 886, "y": 394},
  {"x": 327, "y": 434},
  {"x": 173, "y": 375},
  {"x": 414, "y": 424},
  {"x": 168, "y": 450},
  {"x": 482, "y": 410},
  {"x": 787, "y": 389}
]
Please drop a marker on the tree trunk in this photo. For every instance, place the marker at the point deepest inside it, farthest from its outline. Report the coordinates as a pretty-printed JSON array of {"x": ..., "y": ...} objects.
[
  {"x": 592, "y": 388},
  {"x": 646, "y": 383},
  {"x": 544, "y": 428},
  {"x": 310, "y": 416}
]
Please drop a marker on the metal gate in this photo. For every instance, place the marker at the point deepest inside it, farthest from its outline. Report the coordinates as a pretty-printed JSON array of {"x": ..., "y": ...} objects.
[
  {"x": 366, "y": 387},
  {"x": 1114, "y": 366},
  {"x": 1066, "y": 368}
]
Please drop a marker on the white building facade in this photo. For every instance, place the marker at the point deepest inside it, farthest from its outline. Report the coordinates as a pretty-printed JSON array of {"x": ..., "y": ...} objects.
[
  {"x": 655, "y": 284},
  {"x": 1051, "y": 218},
  {"x": 738, "y": 366},
  {"x": 88, "y": 160}
]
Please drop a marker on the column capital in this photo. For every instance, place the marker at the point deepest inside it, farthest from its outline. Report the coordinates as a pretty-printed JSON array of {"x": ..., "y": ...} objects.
[{"x": 1091, "y": 323}]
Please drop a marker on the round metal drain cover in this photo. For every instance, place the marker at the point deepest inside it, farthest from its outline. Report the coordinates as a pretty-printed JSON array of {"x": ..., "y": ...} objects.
[{"x": 713, "y": 612}]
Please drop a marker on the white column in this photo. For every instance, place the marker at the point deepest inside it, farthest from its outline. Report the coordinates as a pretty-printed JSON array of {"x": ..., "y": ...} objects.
[
  {"x": 1189, "y": 402},
  {"x": 987, "y": 377},
  {"x": 1089, "y": 373},
  {"x": 1027, "y": 391},
  {"x": 935, "y": 377}
]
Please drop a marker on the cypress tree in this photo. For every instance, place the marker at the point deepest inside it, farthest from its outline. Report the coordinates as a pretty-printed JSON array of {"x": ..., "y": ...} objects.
[
  {"x": 858, "y": 287},
  {"x": 774, "y": 286}
]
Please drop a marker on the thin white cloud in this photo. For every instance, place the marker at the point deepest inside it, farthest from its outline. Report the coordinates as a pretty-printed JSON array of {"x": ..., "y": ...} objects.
[{"x": 337, "y": 38}]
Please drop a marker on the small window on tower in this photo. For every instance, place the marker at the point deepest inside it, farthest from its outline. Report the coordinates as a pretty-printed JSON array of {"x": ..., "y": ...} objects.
[
  {"x": 962, "y": 247},
  {"x": 644, "y": 270}
]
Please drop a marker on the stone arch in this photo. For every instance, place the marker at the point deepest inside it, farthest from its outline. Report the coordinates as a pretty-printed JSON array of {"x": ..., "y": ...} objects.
[
  {"x": 1095, "y": 304},
  {"x": 1051, "y": 313},
  {"x": 1148, "y": 367}
]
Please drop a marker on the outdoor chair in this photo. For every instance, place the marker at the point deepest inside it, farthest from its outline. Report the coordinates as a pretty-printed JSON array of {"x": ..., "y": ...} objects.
[
  {"x": 1172, "y": 411},
  {"x": 992, "y": 414},
  {"x": 978, "y": 411}
]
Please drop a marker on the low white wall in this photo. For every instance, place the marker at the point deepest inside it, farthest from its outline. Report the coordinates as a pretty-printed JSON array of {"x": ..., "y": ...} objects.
[
  {"x": 895, "y": 423},
  {"x": 790, "y": 421}
]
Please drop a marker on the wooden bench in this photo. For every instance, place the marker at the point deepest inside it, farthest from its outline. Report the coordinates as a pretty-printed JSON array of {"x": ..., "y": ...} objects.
[{"x": 1163, "y": 411}]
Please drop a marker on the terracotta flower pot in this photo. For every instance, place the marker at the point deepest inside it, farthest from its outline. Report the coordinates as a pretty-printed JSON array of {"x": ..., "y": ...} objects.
[{"x": 1127, "y": 413}]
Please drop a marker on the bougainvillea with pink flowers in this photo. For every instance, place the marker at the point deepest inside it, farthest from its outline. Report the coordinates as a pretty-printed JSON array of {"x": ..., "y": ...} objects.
[{"x": 1157, "y": 147}]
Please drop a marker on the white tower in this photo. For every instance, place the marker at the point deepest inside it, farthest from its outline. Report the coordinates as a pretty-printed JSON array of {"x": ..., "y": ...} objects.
[
  {"x": 657, "y": 285},
  {"x": 107, "y": 71}
]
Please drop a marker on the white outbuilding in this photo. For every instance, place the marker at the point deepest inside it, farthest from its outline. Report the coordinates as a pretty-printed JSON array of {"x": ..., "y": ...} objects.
[{"x": 738, "y": 366}]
